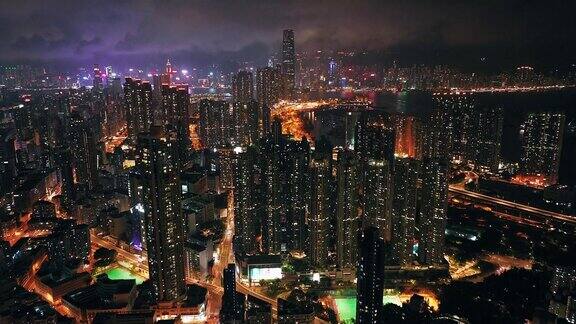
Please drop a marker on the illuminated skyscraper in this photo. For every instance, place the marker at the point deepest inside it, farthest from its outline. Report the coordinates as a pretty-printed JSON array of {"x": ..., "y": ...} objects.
[
  {"x": 138, "y": 105},
  {"x": 246, "y": 116},
  {"x": 243, "y": 87},
  {"x": 97, "y": 82},
  {"x": 285, "y": 188},
  {"x": 450, "y": 132},
  {"x": 487, "y": 138},
  {"x": 157, "y": 162},
  {"x": 347, "y": 211},
  {"x": 268, "y": 86},
  {"x": 175, "y": 105},
  {"x": 83, "y": 146},
  {"x": 542, "y": 144},
  {"x": 374, "y": 140},
  {"x": 245, "y": 202},
  {"x": 377, "y": 207},
  {"x": 215, "y": 125},
  {"x": 276, "y": 187},
  {"x": 434, "y": 204},
  {"x": 370, "y": 275},
  {"x": 233, "y": 303},
  {"x": 7, "y": 159},
  {"x": 226, "y": 165},
  {"x": 320, "y": 210},
  {"x": 404, "y": 209},
  {"x": 298, "y": 174},
  {"x": 288, "y": 64}
]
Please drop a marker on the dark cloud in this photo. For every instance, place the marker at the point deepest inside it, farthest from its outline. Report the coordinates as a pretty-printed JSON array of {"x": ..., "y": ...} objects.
[{"x": 529, "y": 30}]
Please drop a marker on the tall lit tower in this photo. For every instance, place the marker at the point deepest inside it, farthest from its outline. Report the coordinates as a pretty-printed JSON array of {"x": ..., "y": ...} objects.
[
  {"x": 320, "y": 210},
  {"x": 232, "y": 310},
  {"x": 288, "y": 64},
  {"x": 268, "y": 85},
  {"x": 82, "y": 143},
  {"x": 243, "y": 87},
  {"x": 169, "y": 73},
  {"x": 542, "y": 144},
  {"x": 97, "y": 82},
  {"x": 404, "y": 209},
  {"x": 434, "y": 204},
  {"x": 245, "y": 202},
  {"x": 175, "y": 104},
  {"x": 157, "y": 162},
  {"x": 370, "y": 275},
  {"x": 138, "y": 105},
  {"x": 347, "y": 210},
  {"x": 377, "y": 207}
]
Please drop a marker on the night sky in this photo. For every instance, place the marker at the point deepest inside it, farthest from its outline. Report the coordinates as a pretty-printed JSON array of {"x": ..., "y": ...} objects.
[{"x": 447, "y": 32}]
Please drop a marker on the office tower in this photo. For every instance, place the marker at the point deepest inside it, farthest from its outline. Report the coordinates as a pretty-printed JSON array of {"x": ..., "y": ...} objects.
[
  {"x": 138, "y": 105},
  {"x": 320, "y": 210},
  {"x": 377, "y": 209},
  {"x": 82, "y": 143},
  {"x": 347, "y": 208},
  {"x": 233, "y": 303},
  {"x": 433, "y": 208},
  {"x": 168, "y": 72},
  {"x": 246, "y": 123},
  {"x": 215, "y": 127},
  {"x": 370, "y": 277},
  {"x": 268, "y": 86},
  {"x": 404, "y": 209},
  {"x": 542, "y": 144},
  {"x": 97, "y": 82},
  {"x": 245, "y": 202},
  {"x": 7, "y": 159},
  {"x": 243, "y": 87},
  {"x": 288, "y": 64},
  {"x": 164, "y": 228}
]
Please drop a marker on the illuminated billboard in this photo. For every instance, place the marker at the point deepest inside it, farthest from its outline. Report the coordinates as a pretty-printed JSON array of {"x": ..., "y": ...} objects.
[{"x": 257, "y": 273}]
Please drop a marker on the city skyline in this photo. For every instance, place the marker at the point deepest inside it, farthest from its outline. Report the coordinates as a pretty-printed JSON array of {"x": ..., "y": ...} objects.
[{"x": 308, "y": 186}]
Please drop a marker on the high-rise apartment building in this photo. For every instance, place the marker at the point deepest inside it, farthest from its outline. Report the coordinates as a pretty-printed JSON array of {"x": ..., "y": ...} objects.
[
  {"x": 157, "y": 162},
  {"x": 243, "y": 87},
  {"x": 377, "y": 208},
  {"x": 404, "y": 209},
  {"x": 370, "y": 277},
  {"x": 347, "y": 211},
  {"x": 541, "y": 145},
  {"x": 433, "y": 208},
  {"x": 138, "y": 105},
  {"x": 320, "y": 209}
]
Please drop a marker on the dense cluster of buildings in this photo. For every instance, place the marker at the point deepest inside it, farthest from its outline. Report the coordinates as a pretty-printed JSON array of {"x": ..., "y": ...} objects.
[{"x": 114, "y": 163}]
